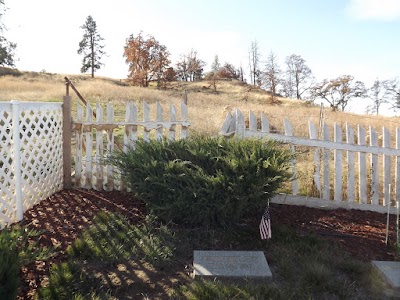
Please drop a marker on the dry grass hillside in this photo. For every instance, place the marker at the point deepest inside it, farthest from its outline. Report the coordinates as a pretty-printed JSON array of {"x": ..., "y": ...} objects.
[
  {"x": 207, "y": 108},
  {"x": 207, "y": 111}
]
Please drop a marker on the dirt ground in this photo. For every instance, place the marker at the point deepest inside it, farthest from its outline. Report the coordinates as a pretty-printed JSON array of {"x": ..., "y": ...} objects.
[{"x": 63, "y": 216}]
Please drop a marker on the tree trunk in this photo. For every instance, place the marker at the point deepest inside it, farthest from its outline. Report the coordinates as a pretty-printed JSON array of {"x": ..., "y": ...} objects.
[{"x": 92, "y": 46}]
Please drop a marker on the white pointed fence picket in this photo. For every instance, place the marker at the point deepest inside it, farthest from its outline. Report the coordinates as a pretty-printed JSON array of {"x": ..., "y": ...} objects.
[
  {"x": 367, "y": 181},
  {"x": 95, "y": 139},
  {"x": 31, "y": 156}
]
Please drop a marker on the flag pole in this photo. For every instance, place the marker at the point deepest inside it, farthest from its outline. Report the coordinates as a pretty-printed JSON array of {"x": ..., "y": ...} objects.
[{"x": 265, "y": 224}]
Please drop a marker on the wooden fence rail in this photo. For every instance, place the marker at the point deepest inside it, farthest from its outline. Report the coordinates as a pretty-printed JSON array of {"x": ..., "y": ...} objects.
[
  {"x": 99, "y": 136},
  {"x": 354, "y": 180}
]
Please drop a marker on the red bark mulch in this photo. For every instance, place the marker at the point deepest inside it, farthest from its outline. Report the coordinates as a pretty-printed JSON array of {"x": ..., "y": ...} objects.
[{"x": 63, "y": 216}]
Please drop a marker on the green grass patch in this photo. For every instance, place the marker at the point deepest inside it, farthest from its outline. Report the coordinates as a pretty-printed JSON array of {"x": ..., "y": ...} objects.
[
  {"x": 304, "y": 266},
  {"x": 70, "y": 281},
  {"x": 113, "y": 237},
  {"x": 220, "y": 291},
  {"x": 18, "y": 246}
]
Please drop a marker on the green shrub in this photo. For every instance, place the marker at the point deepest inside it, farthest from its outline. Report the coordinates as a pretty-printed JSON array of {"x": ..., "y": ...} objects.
[
  {"x": 9, "y": 71},
  {"x": 204, "y": 181},
  {"x": 9, "y": 265}
]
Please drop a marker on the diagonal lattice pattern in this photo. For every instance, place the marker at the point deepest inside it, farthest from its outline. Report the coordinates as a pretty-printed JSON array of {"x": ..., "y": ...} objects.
[
  {"x": 41, "y": 158},
  {"x": 41, "y": 152},
  {"x": 7, "y": 182}
]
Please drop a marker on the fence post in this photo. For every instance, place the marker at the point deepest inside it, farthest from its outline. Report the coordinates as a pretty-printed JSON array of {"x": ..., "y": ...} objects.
[
  {"x": 184, "y": 119},
  {"x": 374, "y": 168},
  {"x": 397, "y": 171},
  {"x": 350, "y": 165},
  {"x": 240, "y": 124},
  {"x": 362, "y": 167},
  {"x": 326, "y": 168},
  {"x": 386, "y": 168},
  {"x": 295, "y": 183},
  {"x": 317, "y": 158},
  {"x": 185, "y": 97},
  {"x": 67, "y": 130},
  {"x": 338, "y": 179},
  {"x": 17, "y": 159}
]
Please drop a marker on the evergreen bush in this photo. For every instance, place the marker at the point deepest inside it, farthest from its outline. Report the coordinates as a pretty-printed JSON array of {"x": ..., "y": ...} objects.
[
  {"x": 204, "y": 181},
  {"x": 9, "y": 71}
]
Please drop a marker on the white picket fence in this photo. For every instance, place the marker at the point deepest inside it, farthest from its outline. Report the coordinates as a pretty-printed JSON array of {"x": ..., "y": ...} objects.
[
  {"x": 357, "y": 180},
  {"x": 95, "y": 139},
  {"x": 31, "y": 157}
]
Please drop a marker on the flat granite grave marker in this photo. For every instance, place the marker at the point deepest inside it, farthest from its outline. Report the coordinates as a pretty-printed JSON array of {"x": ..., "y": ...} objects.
[
  {"x": 230, "y": 264},
  {"x": 390, "y": 270}
]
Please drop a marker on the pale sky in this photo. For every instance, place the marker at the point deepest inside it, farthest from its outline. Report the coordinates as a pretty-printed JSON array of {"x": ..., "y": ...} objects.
[{"x": 335, "y": 37}]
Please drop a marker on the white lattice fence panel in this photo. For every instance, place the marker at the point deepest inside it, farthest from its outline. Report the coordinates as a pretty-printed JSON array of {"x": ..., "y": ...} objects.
[
  {"x": 41, "y": 151},
  {"x": 7, "y": 183},
  {"x": 31, "y": 155}
]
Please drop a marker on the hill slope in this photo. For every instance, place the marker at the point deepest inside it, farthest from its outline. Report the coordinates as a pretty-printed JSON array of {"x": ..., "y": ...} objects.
[{"x": 207, "y": 108}]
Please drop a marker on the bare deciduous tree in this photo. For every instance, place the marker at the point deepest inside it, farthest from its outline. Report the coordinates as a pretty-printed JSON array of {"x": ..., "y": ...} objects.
[
  {"x": 298, "y": 76},
  {"x": 338, "y": 92},
  {"x": 241, "y": 74},
  {"x": 182, "y": 67},
  {"x": 196, "y": 66},
  {"x": 190, "y": 67},
  {"x": 254, "y": 64},
  {"x": 272, "y": 75},
  {"x": 229, "y": 71},
  {"x": 393, "y": 87},
  {"x": 379, "y": 94}
]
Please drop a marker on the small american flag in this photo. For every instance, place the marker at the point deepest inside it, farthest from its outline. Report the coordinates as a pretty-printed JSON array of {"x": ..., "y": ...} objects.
[{"x": 265, "y": 225}]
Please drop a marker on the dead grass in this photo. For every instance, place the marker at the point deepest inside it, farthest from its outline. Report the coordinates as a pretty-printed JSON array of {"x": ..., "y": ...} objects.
[{"x": 207, "y": 109}]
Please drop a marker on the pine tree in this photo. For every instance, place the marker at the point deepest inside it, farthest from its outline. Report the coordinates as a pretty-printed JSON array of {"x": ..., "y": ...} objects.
[
  {"x": 91, "y": 47},
  {"x": 215, "y": 65}
]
